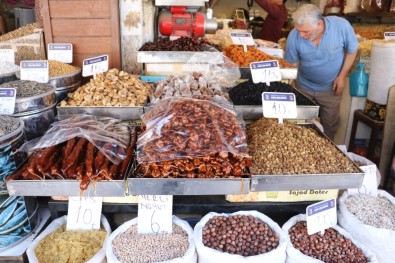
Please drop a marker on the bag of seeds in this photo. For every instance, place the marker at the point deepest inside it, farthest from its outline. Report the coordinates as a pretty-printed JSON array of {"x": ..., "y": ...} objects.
[
  {"x": 126, "y": 245},
  {"x": 55, "y": 244},
  {"x": 336, "y": 245},
  {"x": 244, "y": 236},
  {"x": 371, "y": 221}
]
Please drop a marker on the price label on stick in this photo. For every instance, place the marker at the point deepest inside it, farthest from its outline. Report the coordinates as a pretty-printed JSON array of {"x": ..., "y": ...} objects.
[
  {"x": 84, "y": 213},
  {"x": 7, "y": 101},
  {"x": 35, "y": 70},
  {"x": 242, "y": 38},
  {"x": 265, "y": 71},
  {"x": 389, "y": 35},
  {"x": 62, "y": 52},
  {"x": 96, "y": 65},
  {"x": 7, "y": 55},
  {"x": 279, "y": 105},
  {"x": 369, "y": 183},
  {"x": 320, "y": 216},
  {"x": 155, "y": 214}
]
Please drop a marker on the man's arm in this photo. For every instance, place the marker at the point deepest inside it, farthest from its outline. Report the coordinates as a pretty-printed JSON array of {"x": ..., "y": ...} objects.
[{"x": 340, "y": 81}]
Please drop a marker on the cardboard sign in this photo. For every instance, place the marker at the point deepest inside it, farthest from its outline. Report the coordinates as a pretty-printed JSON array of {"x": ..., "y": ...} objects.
[
  {"x": 84, "y": 213},
  {"x": 7, "y": 101},
  {"x": 35, "y": 70},
  {"x": 96, "y": 65},
  {"x": 62, "y": 52},
  {"x": 320, "y": 216},
  {"x": 155, "y": 214}
]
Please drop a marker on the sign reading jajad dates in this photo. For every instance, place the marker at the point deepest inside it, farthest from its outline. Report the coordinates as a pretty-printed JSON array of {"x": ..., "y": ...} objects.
[
  {"x": 96, "y": 65},
  {"x": 320, "y": 216},
  {"x": 7, "y": 55},
  {"x": 7, "y": 101},
  {"x": 62, "y": 52},
  {"x": 241, "y": 38},
  {"x": 84, "y": 213},
  {"x": 35, "y": 70},
  {"x": 389, "y": 35},
  {"x": 279, "y": 105},
  {"x": 155, "y": 214},
  {"x": 265, "y": 71}
]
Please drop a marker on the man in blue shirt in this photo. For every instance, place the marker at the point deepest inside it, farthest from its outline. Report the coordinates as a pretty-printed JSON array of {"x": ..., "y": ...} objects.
[{"x": 324, "y": 48}]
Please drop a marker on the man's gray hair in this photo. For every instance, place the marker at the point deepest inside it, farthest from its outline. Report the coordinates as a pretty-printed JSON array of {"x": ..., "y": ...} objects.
[{"x": 307, "y": 14}]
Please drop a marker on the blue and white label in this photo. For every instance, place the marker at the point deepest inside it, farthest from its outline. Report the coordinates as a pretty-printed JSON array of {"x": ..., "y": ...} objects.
[
  {"x": 320, "y": 216},
  {"x": 7, "y": 101},
  {"x": 241, "y": 38},
  {"x": 96, "y": 65},
  {"x": 35, "y": 70},
  {"x": 62, "y": 52},
  {"x": 389, "y": 35},
  {"x": 265, "y": 71},
  {"x": 7, "y": 55},
  {"x": 279, "y": 105}
]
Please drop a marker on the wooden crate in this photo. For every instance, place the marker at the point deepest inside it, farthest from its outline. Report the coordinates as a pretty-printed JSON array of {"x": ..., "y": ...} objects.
[{"x": 92, "y": 26}]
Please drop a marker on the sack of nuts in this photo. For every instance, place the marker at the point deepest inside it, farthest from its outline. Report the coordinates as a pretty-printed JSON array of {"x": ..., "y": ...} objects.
[
  {"x": 335, "y": 245},
  {"x": 244, "y": 236}
]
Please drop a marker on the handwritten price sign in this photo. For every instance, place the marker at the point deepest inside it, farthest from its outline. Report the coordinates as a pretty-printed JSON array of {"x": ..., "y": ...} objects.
[
  {"x": 96, "y": 65},
  {"x": 242, "y": 39},
  {"x": 155, "y": 214},
  {"x": 7, "y": 55},
  {"x": 62, "y": 52},
  {"x": 35, "y": 70},
  {"x": 265, "y": 71},
  {"x": 279, "y": 105},
  {"x": 84, "y": 213},
  {"x": 320, "y": 216},
  {"x": 7, "y": 101}
]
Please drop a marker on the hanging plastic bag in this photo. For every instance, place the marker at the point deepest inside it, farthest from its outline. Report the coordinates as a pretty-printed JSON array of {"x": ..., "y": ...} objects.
[
  {"x": 359, "y": 82},
  {"x": 381, "y": 241}
]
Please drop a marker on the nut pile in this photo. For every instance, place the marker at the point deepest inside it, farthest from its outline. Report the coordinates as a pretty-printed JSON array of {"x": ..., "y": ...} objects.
[
  {"x": 186, "y": 86},
  {"x": 249, "y": 93},
  {"x": 243, "y": 59},
  {"x": 331, "y": 247},
  {"x": 180, "y": 44},
  {"x": 7, "y": 67},
  {"x": 292, "y": 149},
  {"x": 191, "y": 138},
  {"x": 371, "y": 210},
  {"x": 112, "y": 88},
  {"x": 141, "y": 248},
  {"x": 8, "y": 125},
  {"x": 370, "y": 31},
  {"x": 27, "y": 88},
  {"x": 20, "y": 32},
  {"x": 239, "y": 234},
  {"x": 57, "y": 68}
]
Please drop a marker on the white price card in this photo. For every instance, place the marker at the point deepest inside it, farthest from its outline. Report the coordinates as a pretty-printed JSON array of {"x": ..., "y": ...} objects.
[
  {"x": 265, "y": 71},
  {"x": 7, "y": 55},
  {"x": 7, "y": 101},
  {"x": 96, "y": 65},
  {"x": 369, "y": 183},
  {"x": 279, "y": 105},
  {"x": 389, "y": 35},
  {"x": 320, "y": 216},
  {"x": 155, "y": 214},
  {"x": 62, "y": 52},
  {"x": 241, "y": 38},
  {"x": 35, "y": 70},
  {"x": 84, "y": 213},
  {"x": 274, "y": 52}
]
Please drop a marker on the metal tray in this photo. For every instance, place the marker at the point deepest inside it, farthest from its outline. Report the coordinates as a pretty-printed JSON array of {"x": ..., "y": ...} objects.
[
  {"x": 188, "y": 186},
  {"x": 121, "y": 113},
  {"x": 180, "y": 57},
  {"x": 286, "y": 73},
  {"x": 51, "y": 187},
  {"x": 252, "y": 112},
  {"x": 307, "y": 181}
]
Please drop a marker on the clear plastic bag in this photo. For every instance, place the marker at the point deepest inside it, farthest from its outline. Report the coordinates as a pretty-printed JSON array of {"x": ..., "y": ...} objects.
[{"x": 108, "y": 135}]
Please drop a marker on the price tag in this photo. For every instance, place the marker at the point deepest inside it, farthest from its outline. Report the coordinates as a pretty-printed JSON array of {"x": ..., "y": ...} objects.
[
  {"x": 155, "y": 214},
  {"x": 265, "y": 71},
  {"x": 35, "y": 70},
  {"x": 244, "y": 39},
  {"x": 274, "y": 52},
  {"x": 321, "y": 216},
  {"x": 96, "y": 65},
  {"x": 389, "y": 35},
  {"x": 7, "y": 55},
  {"x": 279, "y": 105},
  {"x": 7, "y": 101},
  {"x": 62, "y": 52},
  {"x": 369, "y": 183},
  {"x": 84, "y": 213}
]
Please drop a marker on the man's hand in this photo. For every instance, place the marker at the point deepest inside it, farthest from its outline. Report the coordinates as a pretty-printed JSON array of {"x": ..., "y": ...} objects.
[{"x": 338, "y": 85}]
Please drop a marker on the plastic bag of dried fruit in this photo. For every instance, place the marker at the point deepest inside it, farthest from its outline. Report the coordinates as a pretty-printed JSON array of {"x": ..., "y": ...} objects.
[
  {"x": 380, "y": 240},
  {"x": 143, "y": 252},
  {"x": 216, "y": 232},
  {"x": 295, "y": 256},
  {"x": 67, "y": 246}
]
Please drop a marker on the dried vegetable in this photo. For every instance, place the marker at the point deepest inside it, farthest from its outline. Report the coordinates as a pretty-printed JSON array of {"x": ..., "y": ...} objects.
[
  {"x": 243, "y": 59},
  {"x": 192, "y": 138}
]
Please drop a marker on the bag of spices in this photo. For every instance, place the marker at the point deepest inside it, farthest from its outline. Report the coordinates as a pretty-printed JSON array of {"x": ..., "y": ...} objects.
[
  {"x": 244, "y": 236},
  {"x": 371, "y": 221},
  {"x": 333, "y": 246}
]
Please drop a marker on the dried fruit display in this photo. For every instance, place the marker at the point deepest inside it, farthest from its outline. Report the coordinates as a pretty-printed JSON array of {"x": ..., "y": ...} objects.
[
  {"x": 370, "y": 31},
  {"x": 292, "y": 149},
  {"x": 188, "y": 137},
  {"x": 180, "y": 44},
  {"x": 243, "y": 59}
]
